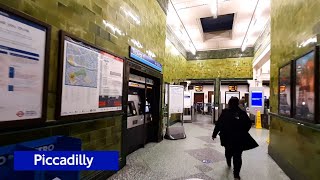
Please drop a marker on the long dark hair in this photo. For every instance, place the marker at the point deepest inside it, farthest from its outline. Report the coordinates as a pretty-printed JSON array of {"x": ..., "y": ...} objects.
[{"x": 233, "y": 103}]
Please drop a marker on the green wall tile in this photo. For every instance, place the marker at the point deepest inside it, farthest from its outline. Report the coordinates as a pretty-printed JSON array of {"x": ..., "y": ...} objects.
[{"x": 292, "y": 22}]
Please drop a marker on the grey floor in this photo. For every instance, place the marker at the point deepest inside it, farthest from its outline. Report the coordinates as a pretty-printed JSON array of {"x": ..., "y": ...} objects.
[{"x": 198, "y": 157}]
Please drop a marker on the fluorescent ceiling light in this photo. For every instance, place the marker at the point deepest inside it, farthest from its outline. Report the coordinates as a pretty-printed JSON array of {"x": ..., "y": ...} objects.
[
  {"x": 214, "y": 8},
  {"x": 244, "y": 45}
]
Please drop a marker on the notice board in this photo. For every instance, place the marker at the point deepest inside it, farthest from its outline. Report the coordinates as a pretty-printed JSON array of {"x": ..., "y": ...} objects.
[
  {"x": 91, "y": 79},
  {"x": 24, "y": 54},
  {"x": 176, "y": 98}
]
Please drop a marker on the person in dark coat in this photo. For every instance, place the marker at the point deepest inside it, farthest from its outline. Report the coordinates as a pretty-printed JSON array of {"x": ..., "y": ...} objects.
[{"x": 233, "y": 128}]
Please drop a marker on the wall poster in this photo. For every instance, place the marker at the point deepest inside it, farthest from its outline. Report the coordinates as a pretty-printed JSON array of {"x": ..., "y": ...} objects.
[
  {"x": 285, "y": 90},
  {"x": 92, "y": 79},
  {"x": 305, "y": 86},
  {"x": 24, "y": 50}
]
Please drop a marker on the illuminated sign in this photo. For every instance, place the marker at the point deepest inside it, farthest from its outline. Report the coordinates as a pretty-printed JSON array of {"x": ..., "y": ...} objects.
[
  {"x": 233, "y": 88},
  {"x": 145, "y": 59},
  {"x": 256, "y": 99},
  {"x": 198, "y": 88}
]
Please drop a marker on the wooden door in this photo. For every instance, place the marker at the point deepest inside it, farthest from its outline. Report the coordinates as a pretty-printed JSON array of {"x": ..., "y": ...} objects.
[{"x": 198, "y": 97}]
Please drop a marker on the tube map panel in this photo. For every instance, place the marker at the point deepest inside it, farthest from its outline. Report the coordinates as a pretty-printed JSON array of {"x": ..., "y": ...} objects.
[
  {"x": 22, "y": 59},
  {"x": 92, "y": 80}
]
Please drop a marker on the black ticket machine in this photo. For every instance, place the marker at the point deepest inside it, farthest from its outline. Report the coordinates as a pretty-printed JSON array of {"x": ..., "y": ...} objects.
[{"x": 143, "y": 111}]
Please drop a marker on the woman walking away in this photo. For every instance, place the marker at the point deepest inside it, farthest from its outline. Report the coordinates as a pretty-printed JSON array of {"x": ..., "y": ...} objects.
[{"x": 233, "y": 126}]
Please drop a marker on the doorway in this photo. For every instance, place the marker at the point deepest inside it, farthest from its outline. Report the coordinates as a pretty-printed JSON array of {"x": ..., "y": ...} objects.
[
  {"x": 198, "y": 98},
  {"x": 210, "y": 93}
]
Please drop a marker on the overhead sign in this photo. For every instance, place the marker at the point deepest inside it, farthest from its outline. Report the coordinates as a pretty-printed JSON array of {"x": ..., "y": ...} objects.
[
  {"x": 233, "y": 88},
  {"x": 23, "y": 67},
  {"x": 145, "y": 59}
]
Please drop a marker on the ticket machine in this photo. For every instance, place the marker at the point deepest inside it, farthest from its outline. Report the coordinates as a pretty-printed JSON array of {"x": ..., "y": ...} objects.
[{"x": 143, "y": 107}]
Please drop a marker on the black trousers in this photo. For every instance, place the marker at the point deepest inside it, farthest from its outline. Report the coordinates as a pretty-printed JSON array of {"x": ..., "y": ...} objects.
[{"x": 236, "y": 154}]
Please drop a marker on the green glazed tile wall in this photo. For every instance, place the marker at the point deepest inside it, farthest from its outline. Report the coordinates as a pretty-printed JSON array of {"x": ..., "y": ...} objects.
[
  {"x": 84, "y": 18},
  {"x": 219, "y": 68},
  {"x": 178, "y": 68},
  {"x": 292, "y": 22}
]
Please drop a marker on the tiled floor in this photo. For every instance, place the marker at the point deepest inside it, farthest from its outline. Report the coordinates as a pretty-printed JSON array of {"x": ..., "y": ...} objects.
[{"x": 198, "y": 157}]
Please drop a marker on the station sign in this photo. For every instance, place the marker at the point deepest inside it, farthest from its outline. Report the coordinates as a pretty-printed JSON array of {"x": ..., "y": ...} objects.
[{"x": 145, "y": 59}]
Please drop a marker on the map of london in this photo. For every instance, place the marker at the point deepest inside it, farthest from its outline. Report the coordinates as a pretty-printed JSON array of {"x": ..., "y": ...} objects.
[{"x": 81, "y": 66}]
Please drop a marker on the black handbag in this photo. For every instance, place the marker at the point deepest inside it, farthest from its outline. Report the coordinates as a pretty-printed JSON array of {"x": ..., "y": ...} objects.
[{"x": 249, "y": 143}]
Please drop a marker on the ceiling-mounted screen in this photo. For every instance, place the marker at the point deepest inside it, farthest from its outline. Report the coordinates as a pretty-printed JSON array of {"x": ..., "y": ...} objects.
[
  {"x": 285, "y": 90},
  {"x": 305, "y": 86},
  {"x": 91, "y": 81},
  {"x": 24, "y": 54}
]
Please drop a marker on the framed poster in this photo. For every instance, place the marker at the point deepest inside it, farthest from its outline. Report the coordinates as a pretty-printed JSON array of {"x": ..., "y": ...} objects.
[
  {"x": 229, "y": 95},
  {"x": 305, "y": 87},
  {"x": 24, "y": 57},
  {"x": 90, "y": 80},
  {"x": 285, "y": 101}
]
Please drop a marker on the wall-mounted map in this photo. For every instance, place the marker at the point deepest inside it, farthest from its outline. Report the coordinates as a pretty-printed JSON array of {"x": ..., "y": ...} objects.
[{"x": 92, "y": 80}]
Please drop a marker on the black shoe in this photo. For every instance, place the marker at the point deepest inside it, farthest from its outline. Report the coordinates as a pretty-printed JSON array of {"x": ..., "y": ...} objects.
[{"x": 237, "y": 177}]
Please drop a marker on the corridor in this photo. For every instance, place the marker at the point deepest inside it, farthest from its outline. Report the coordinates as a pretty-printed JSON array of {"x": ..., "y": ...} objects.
[{"x": 198, "y": 157}]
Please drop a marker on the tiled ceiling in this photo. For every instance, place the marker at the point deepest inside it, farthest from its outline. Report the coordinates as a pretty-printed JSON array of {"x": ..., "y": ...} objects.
[{"x": 236, "y": 14}]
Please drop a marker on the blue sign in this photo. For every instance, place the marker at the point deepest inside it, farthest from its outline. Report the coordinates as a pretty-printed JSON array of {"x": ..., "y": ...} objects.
[
  {"x": 256, "y": 99},
  {"x": 145, "y": 59},
  {"x": 54, "y": 143},
  {"x": 66, "y": 160}
]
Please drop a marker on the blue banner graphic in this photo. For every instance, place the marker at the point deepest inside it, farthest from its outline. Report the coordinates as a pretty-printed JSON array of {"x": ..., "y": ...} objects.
[
  {"x": 66, "y": 160},
  {"x": 145, "y": 59}
]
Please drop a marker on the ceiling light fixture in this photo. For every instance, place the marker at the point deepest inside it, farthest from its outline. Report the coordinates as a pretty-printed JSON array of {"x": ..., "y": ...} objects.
[
  {"x": 214, "y": 8},
  {"x": 245, "y": 39},
  {"x": 179, "y": 29}
]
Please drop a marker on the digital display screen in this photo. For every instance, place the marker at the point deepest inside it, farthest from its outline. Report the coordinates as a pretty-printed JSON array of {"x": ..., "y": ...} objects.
[{"x": 256, "y": 99}]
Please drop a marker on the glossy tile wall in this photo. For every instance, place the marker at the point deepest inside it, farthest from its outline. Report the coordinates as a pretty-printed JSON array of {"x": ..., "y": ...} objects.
[
  {"x": 178, "y": 68},
  {"x": 92, "y": 20},
  {"x": 296, "y": 148}
]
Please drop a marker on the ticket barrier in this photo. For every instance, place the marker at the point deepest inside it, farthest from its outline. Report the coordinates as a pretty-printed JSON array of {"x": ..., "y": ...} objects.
[{"x": 54, "y": 143}]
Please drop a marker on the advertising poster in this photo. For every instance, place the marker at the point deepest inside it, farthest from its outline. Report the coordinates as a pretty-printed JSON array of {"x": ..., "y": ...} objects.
[
  {"x": 305, "y": 97},
  {"x": 22, "y": 60},
  {"x": 284, "y": 90},
  {"x": 92, "y": 80}
]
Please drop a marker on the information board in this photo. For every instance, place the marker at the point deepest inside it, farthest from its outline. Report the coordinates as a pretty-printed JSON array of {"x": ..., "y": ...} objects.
[
  {"x": 92, "y": 79},
  {"x": 229, "y": 95},
  {"x": 187, "y": 99},
  {"x": 24, "y": 50},
  {"x": 256, "y": 99},
  {"x": 176, "y": 99}
]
